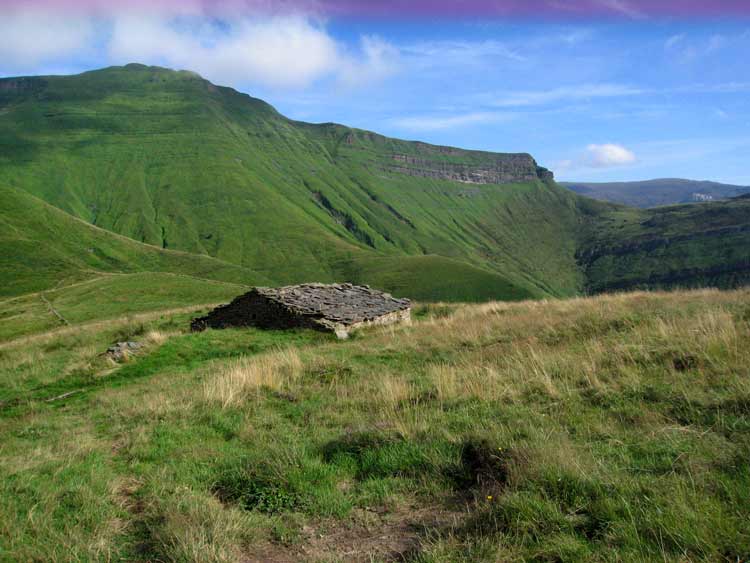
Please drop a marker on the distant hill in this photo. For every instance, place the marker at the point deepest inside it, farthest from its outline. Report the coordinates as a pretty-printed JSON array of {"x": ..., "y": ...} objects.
[
  {"x": 652, "y": 193},
  {"x": 666, "y": 247},
  {"x": 145, "y": 169}
]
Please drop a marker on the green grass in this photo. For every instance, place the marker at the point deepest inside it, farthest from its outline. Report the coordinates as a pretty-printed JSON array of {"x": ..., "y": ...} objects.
[
  {"x": 613, "y": 428},
  {"x": 44, "y": 248},
  {"x": 108, "y": 297}
]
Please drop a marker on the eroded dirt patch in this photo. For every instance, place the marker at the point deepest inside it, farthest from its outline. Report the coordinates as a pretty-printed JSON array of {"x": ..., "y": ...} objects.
[{"x": 367, "y": 535}]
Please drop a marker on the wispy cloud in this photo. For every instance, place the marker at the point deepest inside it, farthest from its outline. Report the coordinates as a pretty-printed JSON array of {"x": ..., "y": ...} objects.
[
  {"x": 622, "y": 7},
  {"x": 441, "y": 52},
  {"x": 563, "y": 93},
  {"x": 686, "y": 49},
  {"x": 673, "y": 40},
  {"x": 439, "y": 122}
]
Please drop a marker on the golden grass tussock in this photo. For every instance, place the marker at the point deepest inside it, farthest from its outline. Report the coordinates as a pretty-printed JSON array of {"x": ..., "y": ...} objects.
[{"x": 245, "y": 377}]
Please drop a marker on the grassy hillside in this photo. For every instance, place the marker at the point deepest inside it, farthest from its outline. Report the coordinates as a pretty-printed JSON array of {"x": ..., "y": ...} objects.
[
  {"x": 677, "y": 246},
  {"x": 614, "y": 428},
  {"x": 171, "y": 160},
  {"x": 653, "y": 193},
  {"x": 44, "y": 247},
  {"x": 108, "y": 296}
]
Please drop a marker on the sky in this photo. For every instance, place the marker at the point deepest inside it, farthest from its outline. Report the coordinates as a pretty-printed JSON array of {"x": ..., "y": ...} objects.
[{"x": 595, "y": 90}]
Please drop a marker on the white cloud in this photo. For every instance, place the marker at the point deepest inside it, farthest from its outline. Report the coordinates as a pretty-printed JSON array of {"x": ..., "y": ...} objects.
[
  {"x": 437, "y": 122},
  {"x": 445, "y": 52},
  {"x": 31, "y": 37},
  {"x": 289, "y": 52},
  {"x": 378, "y": 60},
  {"x": 283, "y": 52},
  {"x": 607, "y": 155}
]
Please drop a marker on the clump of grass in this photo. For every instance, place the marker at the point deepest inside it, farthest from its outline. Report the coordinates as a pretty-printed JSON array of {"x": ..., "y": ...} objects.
[{"x": 248, "y": 375}]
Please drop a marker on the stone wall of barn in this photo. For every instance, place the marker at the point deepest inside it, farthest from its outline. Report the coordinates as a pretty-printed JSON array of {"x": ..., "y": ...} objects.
[
  {"x": 252, "y": 309},
  {"x": 402, "y": 316}
]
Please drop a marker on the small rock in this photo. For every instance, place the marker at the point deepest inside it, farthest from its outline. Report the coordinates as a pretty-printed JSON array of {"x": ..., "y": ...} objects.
[{"x": 121, "y": 350}]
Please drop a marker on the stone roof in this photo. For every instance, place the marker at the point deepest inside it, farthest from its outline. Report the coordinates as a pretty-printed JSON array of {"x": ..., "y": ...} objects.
[{"x": 341, "y": 303}]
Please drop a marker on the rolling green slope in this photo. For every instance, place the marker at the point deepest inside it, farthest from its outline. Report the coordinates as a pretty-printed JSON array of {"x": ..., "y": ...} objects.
[
  {"x": 171, "y": 160},
  {"x": 44, "y": 247},
  {"x": 109, "y": 296}
]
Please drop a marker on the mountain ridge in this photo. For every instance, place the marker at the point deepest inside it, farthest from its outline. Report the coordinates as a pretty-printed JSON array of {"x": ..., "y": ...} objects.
[{"x": 169, "y": 159}]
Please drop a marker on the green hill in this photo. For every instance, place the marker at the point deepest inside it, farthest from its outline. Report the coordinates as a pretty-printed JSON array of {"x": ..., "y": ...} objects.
[
  {"x": 667, "y": 247},
  {"x": 171, "y": 160},
  {"x": 44, "y": 247},
  {"x": 174, "y": 162}
]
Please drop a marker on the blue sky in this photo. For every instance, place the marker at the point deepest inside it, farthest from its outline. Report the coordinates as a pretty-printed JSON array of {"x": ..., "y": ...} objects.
[{"x": 594, "y": 100}]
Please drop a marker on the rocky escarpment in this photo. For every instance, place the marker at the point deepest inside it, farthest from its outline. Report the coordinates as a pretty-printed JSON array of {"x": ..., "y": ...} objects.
[
  {"x": 415, "y": 158},
  {"x": 497, "y": 169}
]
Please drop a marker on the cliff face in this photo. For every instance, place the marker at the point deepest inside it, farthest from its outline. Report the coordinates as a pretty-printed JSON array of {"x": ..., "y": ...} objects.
[
  {"x": 499, "y": 169},
  {"x": 419, "y": 159}
]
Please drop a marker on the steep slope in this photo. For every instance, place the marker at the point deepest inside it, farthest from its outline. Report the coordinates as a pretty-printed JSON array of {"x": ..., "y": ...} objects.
[
  {"x": 169, "y": 159},
  {"x": 668, "y": 247},
  {"x": 45, "y": 248},
  {"x": 652, "y": 193}
]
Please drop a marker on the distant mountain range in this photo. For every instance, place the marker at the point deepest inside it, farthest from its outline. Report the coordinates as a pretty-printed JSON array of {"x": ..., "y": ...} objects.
[
  {"x": 146, "y": 169},
  {"x": 652, "y": 193}
]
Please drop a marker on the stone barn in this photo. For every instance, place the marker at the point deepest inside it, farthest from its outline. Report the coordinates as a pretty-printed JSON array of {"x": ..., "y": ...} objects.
[{"x": 338, "y": 308}]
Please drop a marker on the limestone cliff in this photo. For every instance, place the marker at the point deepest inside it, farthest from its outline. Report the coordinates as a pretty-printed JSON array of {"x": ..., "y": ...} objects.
[{"x": 497, "y": 169}]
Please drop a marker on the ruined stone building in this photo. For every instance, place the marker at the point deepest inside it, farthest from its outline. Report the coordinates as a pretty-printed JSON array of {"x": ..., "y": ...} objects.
[{"x": 339, "y": 308}]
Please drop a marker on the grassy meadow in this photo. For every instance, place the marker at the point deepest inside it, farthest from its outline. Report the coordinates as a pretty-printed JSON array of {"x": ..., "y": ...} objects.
[{"x": 612, "y": 428}]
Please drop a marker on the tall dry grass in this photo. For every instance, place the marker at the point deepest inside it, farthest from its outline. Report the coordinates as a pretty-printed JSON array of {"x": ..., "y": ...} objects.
[
  {"x": 243, "y": 378},
  {"x": 557, "y": 348}
]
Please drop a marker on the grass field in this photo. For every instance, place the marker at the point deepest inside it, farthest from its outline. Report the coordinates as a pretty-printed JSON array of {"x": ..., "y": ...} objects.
[{"x": 614, "y": 428}]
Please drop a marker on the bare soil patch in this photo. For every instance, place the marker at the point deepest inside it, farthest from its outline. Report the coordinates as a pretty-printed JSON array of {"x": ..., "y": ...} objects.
[{"x": 368, "y": 535}]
